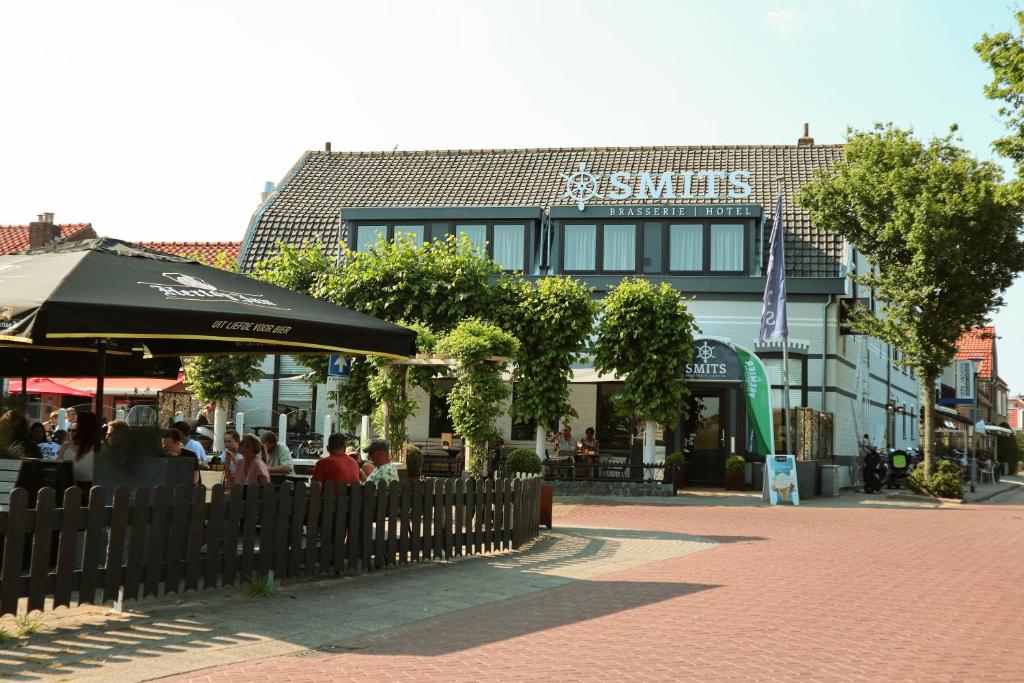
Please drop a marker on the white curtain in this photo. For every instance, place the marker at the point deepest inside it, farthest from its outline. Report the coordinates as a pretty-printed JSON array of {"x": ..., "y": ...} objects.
[
  {"x": 686, "y": 247},
  {"x": 368, "y": 235},
  {"x": 509, "y": 246},
  {"x": 620, "y": 247},
  {"x": 477, "y": 234},
  {"x": 727, "y": 247},
  {"x": 580, "y": 247}
]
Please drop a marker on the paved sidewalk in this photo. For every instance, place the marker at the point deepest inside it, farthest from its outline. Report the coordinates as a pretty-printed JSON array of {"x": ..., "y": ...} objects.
[{"x": 855, "y": 589}]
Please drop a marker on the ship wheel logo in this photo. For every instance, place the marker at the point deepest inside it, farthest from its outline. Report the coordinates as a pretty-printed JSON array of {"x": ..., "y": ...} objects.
[
  {"x": 581, "y": 186},
  {"x": 705, "y": 353}
]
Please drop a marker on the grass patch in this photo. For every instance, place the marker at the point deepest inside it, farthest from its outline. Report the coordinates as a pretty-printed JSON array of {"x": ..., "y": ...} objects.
[
  {"x": 259, "y": 587},
  {"x": 29, "y": 623},
  {"x": 7, "y": 636}
]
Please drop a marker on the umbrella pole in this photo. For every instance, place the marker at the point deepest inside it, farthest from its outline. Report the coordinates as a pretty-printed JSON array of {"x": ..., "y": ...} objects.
[
  {"x": 24, "y": 391},
  {"x": 101, "y": 371}
]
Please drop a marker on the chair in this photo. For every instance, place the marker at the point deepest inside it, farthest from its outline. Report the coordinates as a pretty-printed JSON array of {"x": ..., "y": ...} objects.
[
  {"x": 985, "y": 472},
  {"x": 560, "y": 461}
]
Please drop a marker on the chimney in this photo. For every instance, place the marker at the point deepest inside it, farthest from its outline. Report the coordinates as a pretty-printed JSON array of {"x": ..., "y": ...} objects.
[
  {"x": 42, "y": 232},
  {"x": 806, "y": 140},
  {"x": 327, "y": 146},
  {"x": 268, "y": 189}
]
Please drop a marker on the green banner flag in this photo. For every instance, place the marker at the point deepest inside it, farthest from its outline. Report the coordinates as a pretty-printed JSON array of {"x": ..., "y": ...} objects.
[{"x": 759, "y": 401}]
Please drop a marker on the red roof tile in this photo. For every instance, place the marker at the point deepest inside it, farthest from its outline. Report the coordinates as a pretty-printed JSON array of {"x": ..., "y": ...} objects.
[
  {"x": 208, "y": 250},
  {"x": 978, "y": 343},
  {"x": 14, "y": 238}
]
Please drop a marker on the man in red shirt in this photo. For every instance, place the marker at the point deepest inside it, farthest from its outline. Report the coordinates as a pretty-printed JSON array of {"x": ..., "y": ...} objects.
[{"x": 336, "y": 468}]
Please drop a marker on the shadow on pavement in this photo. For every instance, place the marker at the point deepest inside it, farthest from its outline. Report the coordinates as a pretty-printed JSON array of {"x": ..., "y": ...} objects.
[{"x": 575, "y": 603}]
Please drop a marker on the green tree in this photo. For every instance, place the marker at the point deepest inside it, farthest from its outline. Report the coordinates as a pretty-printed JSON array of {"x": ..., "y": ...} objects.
[
  {"x": 645, "y": 335},
  {"x": 389, "y": 387},
  {"x": 476, "y": 399},
  {"x": 940, "y": 231},
  {"x": 552, "y": 318},
  {"x": 222, "y": 379},
  {"x": 301, "y": 269},
  {"x": 1004, "y": 54},
  {"x": 439, "y": 284}
]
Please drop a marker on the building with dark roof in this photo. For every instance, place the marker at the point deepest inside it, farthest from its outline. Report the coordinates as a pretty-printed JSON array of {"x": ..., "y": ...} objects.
[{"x": 697, "y": 217}]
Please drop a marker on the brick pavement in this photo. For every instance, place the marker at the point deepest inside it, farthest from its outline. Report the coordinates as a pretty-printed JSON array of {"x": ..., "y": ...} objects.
[
  {"x": 830, "y": 593},
  {"x": 845, "y": 589}
]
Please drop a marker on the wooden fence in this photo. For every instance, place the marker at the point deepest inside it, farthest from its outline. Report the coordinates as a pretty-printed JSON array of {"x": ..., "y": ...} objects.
[{"x": 168, "y": 542}]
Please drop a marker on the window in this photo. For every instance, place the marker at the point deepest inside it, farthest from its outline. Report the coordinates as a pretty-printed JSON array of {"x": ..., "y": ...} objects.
[
  {"x": 727, "y": 247},
  {"x": 440, "y": 418},
  {"x": 579, "y": 248},
  {"x": 505, "y": 243},
  {"x": 509, "y": 246},
  {"x": 477, "y": 234},
  {"x": 416, "y": 232},
  {"x": 619, "y": 251},
  {"x": 368, "y": 235},
  {"x": 686, "y": 247}
]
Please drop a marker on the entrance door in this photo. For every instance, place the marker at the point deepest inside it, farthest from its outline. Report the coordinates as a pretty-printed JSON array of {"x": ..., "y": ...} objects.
[{"x": 706, "y": 437}]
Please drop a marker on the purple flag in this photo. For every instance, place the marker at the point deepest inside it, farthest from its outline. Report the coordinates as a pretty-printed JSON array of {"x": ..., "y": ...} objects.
[{"x": 773, "y": 315}]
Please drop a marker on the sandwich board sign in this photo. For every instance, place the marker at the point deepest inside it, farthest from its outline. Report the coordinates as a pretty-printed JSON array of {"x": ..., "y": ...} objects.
[{"x": 780, "y": 480}]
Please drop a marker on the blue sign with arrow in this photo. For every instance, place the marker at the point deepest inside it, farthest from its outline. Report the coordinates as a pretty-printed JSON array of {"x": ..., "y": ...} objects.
[{"x": 339, "y": 366}]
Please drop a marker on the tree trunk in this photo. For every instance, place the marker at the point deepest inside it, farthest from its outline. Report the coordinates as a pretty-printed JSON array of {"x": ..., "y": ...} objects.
[
  {"x": 928, "y": 428},
  {"x": 540, "y": 445}
]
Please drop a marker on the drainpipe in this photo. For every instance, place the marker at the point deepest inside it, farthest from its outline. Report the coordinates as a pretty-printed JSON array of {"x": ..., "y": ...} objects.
[{"x": 824, "y": 352}]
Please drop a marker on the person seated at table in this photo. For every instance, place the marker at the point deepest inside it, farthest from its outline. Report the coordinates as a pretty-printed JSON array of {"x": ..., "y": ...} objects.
[
  {"x": 171, "y": 442},
  {"x": 365, "y": 466},
  {"x": 384, "y": 471},
  {"x": 587, "y": 451},
  {"x": 47, "y": 449},
  {"x": 82, "y": 447},
  {"x": 191, "y": 444},
  {"x": 279, "y": 458},
  {"x": 115, "y": 430},
  {"x": 205, "y": 416},
  {"x": 251, "y": 470},
  {"x": 230, "y": 456},
  {"x": 300, "y": 425},
  {"x": 338, "y": 468},
  {"x": 564, "y": 443}
]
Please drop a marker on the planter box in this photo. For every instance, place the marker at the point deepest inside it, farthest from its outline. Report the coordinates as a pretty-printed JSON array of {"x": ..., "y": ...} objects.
[
  {"x": 807, "y": 477},
  {"x": 735, "y": 481},
  {"x": 547, "y": 496}
]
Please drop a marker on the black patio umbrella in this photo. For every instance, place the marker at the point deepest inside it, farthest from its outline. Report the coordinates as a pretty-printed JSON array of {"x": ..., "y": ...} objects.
[{"x": 110, "y": 295}]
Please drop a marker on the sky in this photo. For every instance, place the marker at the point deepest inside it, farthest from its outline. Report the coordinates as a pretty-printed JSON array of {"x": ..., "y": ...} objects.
[{"x": 161, "y": 121}]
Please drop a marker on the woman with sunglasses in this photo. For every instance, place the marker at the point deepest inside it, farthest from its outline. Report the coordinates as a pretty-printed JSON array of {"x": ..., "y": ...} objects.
[{"x": 81, "y": 448}]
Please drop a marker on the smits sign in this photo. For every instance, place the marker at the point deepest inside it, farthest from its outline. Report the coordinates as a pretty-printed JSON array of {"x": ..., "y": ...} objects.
[{"x": 583, "y": 185}]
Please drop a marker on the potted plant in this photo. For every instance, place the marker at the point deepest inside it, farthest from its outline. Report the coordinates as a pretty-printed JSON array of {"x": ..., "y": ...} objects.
[
  {"x": 735, "y": 477},
  {"x": 675, "y": 470},
  {"x": 524, "y": 461}
]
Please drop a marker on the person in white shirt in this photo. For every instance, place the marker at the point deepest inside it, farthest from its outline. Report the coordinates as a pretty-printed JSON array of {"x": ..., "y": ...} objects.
[
  {"x": 188, "y": 443},
  {"x": 230, "y": 457},
  {"x": 82, "y": 447}
]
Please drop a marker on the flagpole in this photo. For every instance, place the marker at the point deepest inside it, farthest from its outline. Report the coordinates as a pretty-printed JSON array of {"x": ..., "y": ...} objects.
[{"x": 785, "y": 394}]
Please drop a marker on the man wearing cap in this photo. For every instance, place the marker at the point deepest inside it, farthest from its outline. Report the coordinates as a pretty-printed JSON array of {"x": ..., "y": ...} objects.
[
  {"x": 384, "y": 471},
  {"x": 337, "y": 468},
  {"x": 365, "y": 466}
]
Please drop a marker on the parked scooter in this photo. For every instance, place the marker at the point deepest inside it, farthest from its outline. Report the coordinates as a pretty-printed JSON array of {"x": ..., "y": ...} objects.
[
  {"x": 899, "y": 467},
  {"x": 874, "y": 470}
]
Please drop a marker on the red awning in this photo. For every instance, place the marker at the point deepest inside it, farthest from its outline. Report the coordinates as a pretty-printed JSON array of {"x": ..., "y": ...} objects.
[
  {"x": 43, "y": 385},
  {"x": 120, "y": 386}
]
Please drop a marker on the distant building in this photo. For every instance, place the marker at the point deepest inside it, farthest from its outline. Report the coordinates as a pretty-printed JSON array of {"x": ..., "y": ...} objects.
[
  {"x": 40, "y": 233},
  {"x": 695, "y": 217},
  {"x": 991, "y": 392},
  {"x": 1016, "y": 420}
]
